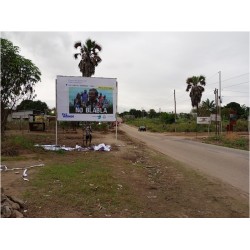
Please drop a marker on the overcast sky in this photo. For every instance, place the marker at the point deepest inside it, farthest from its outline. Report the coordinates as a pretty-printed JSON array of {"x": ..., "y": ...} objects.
[{"x": 148, "y": 66}]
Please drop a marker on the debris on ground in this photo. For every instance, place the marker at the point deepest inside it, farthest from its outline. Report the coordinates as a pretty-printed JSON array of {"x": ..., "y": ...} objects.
[
  {"x": 11, "y": 207},
  {"x": 100, "y": 147},
  {"x": 24, "y": 172}
]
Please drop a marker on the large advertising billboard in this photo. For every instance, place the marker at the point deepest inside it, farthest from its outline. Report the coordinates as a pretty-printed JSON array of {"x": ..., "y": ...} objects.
[{"x": 86, "y": 98}]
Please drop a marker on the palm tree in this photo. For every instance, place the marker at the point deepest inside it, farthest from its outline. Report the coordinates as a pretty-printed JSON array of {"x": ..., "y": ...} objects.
[
  {"x": 89, "y": 57},
  {"x": 195, "y": 84},
  {"x": 209, "y": 105}
]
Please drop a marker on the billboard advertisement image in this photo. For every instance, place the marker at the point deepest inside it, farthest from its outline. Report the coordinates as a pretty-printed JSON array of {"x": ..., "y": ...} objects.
[{"x": 86, "y": 98}]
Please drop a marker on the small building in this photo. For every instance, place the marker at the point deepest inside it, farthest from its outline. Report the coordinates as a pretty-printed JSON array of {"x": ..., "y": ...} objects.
[{"x": 27, "y": 115}]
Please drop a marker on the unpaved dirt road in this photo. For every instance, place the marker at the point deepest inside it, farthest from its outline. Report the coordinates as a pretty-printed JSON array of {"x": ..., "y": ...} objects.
[{"x": 229, "y": 165}]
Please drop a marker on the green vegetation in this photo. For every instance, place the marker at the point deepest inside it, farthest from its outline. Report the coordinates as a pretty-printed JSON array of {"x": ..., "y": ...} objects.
[
  {"x": 13, "y": 144},
  {"x": 186, "y": 122},
  {"x": 18, "y": 78},
  {"x": 239, "y": 143},
  {"x": 182, "y": 125},
  {"x": 30, "y": 105},
  {"x": 87, "y": 185}
]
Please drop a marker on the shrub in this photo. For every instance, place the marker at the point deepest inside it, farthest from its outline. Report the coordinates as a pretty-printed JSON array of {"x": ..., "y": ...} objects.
[{"x": 241, "y": 125}]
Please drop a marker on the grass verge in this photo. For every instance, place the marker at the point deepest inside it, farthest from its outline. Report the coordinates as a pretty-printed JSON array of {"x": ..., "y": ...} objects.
[
  {"x": 85, "y": 187},
  {"x": 237, "y": 143}
]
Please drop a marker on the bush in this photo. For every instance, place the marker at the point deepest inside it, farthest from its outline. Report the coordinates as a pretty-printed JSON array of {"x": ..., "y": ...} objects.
[
  {"x": 241, "y": 125},
  {"x": 100, "y": 127}
]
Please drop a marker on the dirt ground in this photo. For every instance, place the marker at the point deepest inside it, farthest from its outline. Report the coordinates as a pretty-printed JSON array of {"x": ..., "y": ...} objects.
[{"x": 210, "y": 197}]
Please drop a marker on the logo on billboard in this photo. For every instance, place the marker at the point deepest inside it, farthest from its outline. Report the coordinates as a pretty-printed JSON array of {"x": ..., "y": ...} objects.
[
  {"x": 104, "y": 116},
  {"x": 65, "y": 115},
  {"x": 99, "y": 116}
]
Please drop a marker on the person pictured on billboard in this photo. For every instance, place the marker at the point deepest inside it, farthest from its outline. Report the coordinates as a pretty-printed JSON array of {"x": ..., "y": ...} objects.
[
  {"x": 85, "y": 96},
  {"x": 78, "y": 101},
  {"x": 100, "y": 98},
  {"x": 104, "y": 102},
  {"x": 97, "y": 103},
  {"x": 92, "y": 102}
]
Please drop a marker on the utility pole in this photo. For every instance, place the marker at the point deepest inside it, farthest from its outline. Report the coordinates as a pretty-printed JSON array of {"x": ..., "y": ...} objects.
[
  {"x": 220, "y": 101},
  {"x": 160, "y": 118},
  {"x": 175, "y": 111},
  {"x": 216, "y": 103},
  {"x": 142, "y": 116}
]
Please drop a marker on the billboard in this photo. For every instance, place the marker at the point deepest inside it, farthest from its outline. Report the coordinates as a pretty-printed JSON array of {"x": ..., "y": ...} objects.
[
  {"x": 232, "y": 117},
  {"x": 203, "y": 120},
  {"x": 86, "y": 98},
  {"x": 215, "y": 117}
]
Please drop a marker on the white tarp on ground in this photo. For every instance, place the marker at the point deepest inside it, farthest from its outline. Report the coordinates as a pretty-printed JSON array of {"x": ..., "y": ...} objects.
[
  {"x": 100, "y": 147},
  {"x": 55, "y": 147}
]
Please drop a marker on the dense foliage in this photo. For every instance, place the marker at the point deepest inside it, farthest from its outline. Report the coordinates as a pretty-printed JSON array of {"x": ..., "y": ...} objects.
[
  {"x": 32, "y": 105},
  {"x": 18, "y": 78}
]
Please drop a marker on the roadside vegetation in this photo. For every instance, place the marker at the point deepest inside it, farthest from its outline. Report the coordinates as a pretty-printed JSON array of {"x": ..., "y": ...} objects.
[
  {"x": 186, "y": 122},
  {"x": 230, "y": 141},
  {"x": 183, "y": 125}
]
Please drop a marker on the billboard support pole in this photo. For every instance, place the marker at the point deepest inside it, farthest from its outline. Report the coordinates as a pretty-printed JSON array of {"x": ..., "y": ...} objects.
[
  {"x": 116, "y": 132},
  {"x": 56, "y": 113},
  {"x": 116, "y": 113}
]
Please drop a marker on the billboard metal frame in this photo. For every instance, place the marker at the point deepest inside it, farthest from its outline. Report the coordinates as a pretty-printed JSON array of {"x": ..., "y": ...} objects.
[{"x": 109, "y": 85}]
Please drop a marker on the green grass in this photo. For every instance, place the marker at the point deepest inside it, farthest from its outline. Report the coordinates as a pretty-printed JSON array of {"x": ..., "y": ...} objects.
[
  {"x": 240, "y": 143},
  {"x": 183, "y": 125},
  {"x": 68, "y": 185},
  {"x": 17, "y": 158}
]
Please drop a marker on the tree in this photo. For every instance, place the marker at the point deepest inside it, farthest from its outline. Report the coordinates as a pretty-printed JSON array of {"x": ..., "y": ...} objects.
[
  {"x": 18, "y": 78},
  {"x": 89, "y": 57},
  {"x": 195, "y": 83},
  {"x": 151, "y": 113},
  {"x": 168, "y": 118},
  {"x": 132, "y": 112},
  {"x": 32, "y": 105},
  {"x": 236, "y": 107},
  {"x": 225, "y": 113},
  {"x": 209, "y": 105}
]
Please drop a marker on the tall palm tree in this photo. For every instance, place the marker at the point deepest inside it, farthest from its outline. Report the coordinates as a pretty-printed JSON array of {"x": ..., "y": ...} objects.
[
  {"x": 195, "y": 83},
  {"x": 89, "y": 57}
]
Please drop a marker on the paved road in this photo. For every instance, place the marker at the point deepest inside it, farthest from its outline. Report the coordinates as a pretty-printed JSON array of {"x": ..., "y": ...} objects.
[{"x": 229, "y": 165}]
